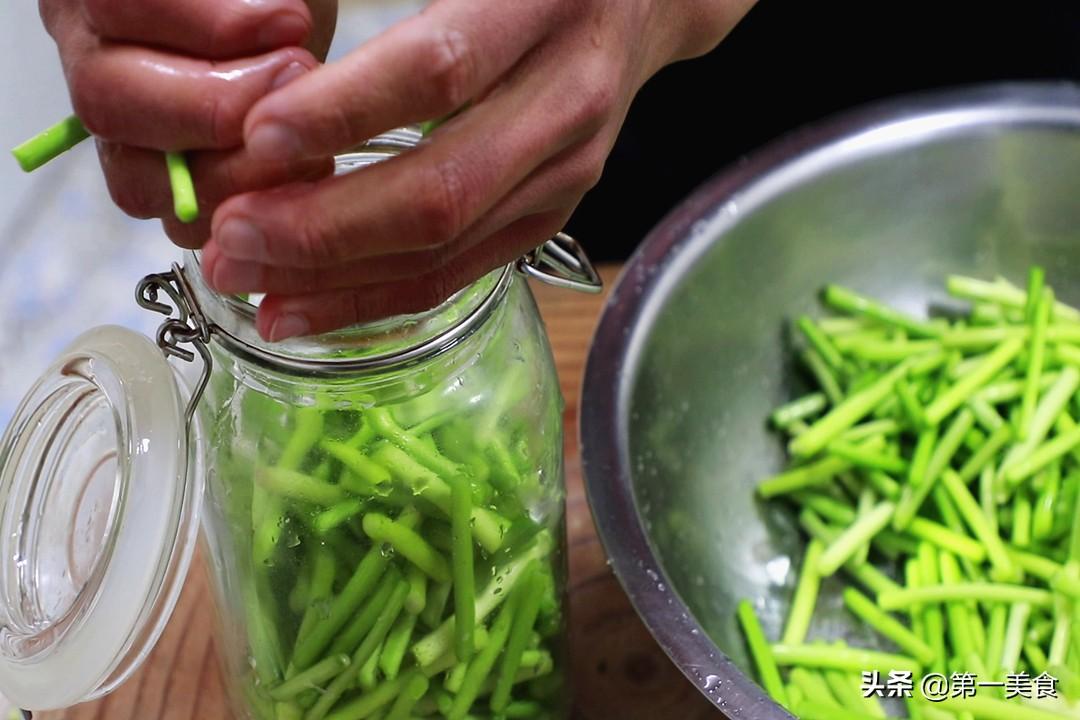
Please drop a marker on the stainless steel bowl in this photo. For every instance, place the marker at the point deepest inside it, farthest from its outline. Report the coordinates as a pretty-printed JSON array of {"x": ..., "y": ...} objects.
[{"x": 690, "y": 354}]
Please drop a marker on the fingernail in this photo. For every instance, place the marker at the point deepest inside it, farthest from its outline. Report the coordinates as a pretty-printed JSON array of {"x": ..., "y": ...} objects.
[
  {"x": 287, "y": 74},
  {"x": 289, "y": 326},
  {"x": 273, "y": 141},
  {"x": 282, "y": 30},
  {"x": 241, "y": 240},
  {"x": 235, "y": 277}
]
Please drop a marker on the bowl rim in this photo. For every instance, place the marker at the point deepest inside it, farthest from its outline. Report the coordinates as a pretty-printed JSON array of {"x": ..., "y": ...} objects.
[{"x": 664, "y": 258}]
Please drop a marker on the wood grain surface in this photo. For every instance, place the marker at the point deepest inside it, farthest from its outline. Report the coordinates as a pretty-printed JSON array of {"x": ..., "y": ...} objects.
[{"x": 618, "y": 671}]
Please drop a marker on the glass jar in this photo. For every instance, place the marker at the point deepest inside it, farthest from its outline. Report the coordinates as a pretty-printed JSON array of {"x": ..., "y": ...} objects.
[{"x": 383, "y": 507}]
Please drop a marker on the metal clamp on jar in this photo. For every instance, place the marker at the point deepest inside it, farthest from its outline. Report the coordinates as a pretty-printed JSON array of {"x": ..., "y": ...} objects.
[{"x": 382, "y": 506}]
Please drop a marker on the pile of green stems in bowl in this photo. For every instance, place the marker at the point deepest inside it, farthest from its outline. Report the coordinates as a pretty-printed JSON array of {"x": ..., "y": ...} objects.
[{"x": 937, "y": 468}]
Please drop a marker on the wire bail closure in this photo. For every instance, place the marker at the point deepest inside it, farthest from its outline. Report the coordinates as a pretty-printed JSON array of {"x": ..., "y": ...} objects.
[
  {"x": 186, "y": 325},
  {"x": 561, "y": 262}
]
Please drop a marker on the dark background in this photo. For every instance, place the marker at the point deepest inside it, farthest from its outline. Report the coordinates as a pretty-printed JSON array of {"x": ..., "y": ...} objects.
[{"x": 791, "y": 62}]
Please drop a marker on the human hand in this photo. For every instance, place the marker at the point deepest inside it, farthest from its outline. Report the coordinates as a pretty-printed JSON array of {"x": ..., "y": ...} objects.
[
  {"x": 163, "y": 75},
  {"x": 549, "y": 83}
]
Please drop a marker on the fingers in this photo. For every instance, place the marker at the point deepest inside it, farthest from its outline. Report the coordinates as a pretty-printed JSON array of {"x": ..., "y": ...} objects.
[
  {"x": 190, "y": 236},
  {"x": 423, "y": 68},
  {"x": 422, "y": 200},
  {"x": 139, "y": 184},
  {"x": 281, "y": 317},
  {"x": 148, "y": 98},
  {"x": 559, "y": 185},
  {"x": 203, "y": 28},
  {"x": 240, "y": 276}
]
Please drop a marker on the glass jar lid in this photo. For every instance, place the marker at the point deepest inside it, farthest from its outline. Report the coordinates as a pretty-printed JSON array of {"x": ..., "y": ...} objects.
[{"x": 98, "y": 519}]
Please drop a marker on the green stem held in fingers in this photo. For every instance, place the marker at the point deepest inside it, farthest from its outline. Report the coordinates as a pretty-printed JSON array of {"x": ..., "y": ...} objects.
[
  {"x": 70, "y": 131},
  {"x": 185, "y": 204},
  {"x": 50, "y": 143}
]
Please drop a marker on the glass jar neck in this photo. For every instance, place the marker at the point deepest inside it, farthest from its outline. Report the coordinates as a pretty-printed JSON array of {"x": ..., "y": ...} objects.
[{"x": 379, "y": 345}]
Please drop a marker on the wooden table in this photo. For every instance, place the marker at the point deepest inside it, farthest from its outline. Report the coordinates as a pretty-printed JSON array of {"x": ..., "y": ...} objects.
[{"x": 618, "y": 671}]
